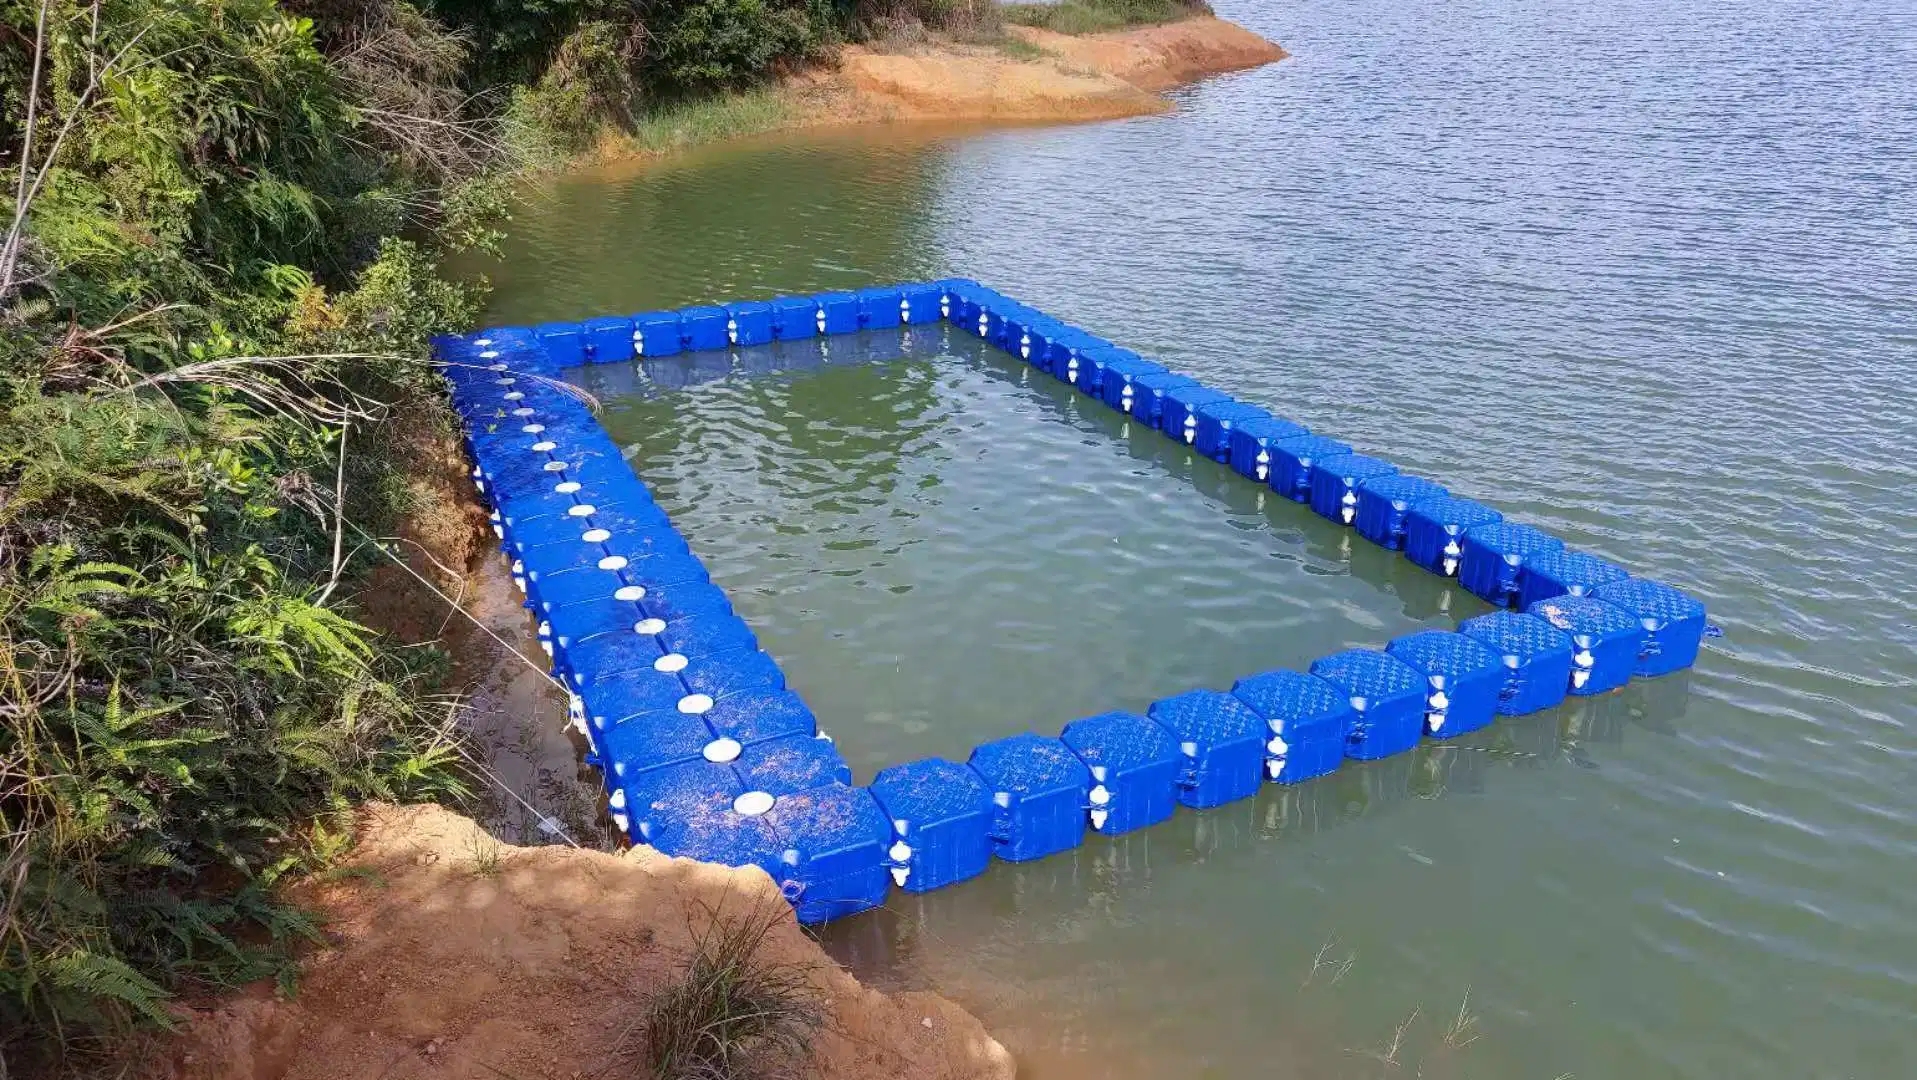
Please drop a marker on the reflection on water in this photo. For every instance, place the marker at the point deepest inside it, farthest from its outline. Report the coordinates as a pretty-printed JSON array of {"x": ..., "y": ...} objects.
[{"x": 1638, "y": 272}]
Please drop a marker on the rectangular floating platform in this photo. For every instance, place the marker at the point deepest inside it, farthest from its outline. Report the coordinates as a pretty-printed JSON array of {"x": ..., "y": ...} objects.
[{"x": 706, "y": 754}]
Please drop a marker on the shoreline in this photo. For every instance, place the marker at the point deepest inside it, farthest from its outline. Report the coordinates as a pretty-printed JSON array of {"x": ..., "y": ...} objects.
[{"x": 942, "y": 83}]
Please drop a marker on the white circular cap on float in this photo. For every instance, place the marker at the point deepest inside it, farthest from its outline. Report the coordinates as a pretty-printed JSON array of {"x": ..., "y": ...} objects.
[
  {"x": 533, "y": 429},
  {"x": 670, "y": 663},
  {"x": 582, "y": 510},
  {"x": 900, "y": 852},
  {"x": 504, "y": 380},
  {"x": 649, "y": 626},
  {"x": 555, "y": 466},
  {"x": 695, "y": 704},
  {"x": 597, "y": 536},
  {"x": 720, "y": 751},
  {"x": 566, "y": 487},
  {"x": 545, "y": 445},
  {"x": 489, "y": 354},
  {"x": 753, "y": 803},
  {"x": 522, "y": 411},
  {"x": 629, "y": 592},
  {"x": 515, "y": 395},
  {"x": 613, "y": 562}
]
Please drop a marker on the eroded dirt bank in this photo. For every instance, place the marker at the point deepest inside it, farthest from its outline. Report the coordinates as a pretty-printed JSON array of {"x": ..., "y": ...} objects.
[
  {"x": 452, "y": 956},
  {"x": 1091, "y": 77}
]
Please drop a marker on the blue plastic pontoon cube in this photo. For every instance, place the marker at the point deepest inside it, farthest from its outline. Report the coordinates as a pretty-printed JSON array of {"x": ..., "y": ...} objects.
[
  {"x": 606, "y": 701},
  {"x": 704, "y": 825},
  {"x": 1434, "y": 531},
  {"x": 682, "y": 598},
  {"x": 754, "y": 716},
  {"x": 718, "y": 674},
  {"x": 794, "y": 318},
  {"x": 1463, "y": 677},
  {"x": 1135, "y": 765},
  {"x": 1493, "y": 558},
  {"x": 1039, "y": 791},
  {"x": 749, "y": 322},
  {"x": 941, "y": 815},
  {"x": 1536, "y": 658},
  {"x": 1387, "y": 695},
  {"x": 918, "y": 304},
  {"x": 1118, "y": 388},
  {"x": 640, "y": 743},
  {"x": 1384, "y": 502},
  {"x": 1334, "y": 484},
  {"x": 1292, "y": 459},
  {"x": 1607, "y": 640},
  {"x": 1086, "y": 371},
  {"x": 586, "y": 662},
  {"x": 1034, "y": 335},
  {"x": 1251, "y": 442},
  {"x": 1309, "y": 719},
  {"x": 1148, "y": 395},
  {"x": 700, "y": 635},
  {"x": 1217, "y": 421},
  {"x": 879, "y": 307},
  {"x": 1564, "y": 572},
  {"x": 703, "y": 327},
  {"x": 608, "y": 340},
  {"x": 564, "y": 343},
  {"x": 838, "y": 312},
  {"x": 1223, "y": 741},
  {"x": 1178, "y": 413},
  {"x": 1673, "y": 623},
  {"x": 834, "y": 861},
  {"x": 657, "y": 333},
  {"x": 789, "y": 763},
  {"x": 574, "y": 623}
]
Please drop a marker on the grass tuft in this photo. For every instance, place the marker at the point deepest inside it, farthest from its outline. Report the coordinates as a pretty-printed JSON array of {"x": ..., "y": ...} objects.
[
  {"x": 679, "y": 126},
  {"x": 735, "y": 1012}
]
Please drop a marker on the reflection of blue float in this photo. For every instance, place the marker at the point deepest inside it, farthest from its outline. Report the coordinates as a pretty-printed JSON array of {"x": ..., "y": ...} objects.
[{"x": 707, "y": 754}]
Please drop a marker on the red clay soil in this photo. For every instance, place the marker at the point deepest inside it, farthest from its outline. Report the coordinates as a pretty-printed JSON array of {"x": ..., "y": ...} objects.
[{"x": 453, "y": 956}]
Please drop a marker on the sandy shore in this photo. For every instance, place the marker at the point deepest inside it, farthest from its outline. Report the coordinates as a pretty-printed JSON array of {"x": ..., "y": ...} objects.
[
  {"x": 1093, "y": 77},
  {"x": 452, "y": 955}
]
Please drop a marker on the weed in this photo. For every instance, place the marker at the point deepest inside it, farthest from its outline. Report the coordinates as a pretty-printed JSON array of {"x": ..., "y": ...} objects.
[
  {"x": 1099, "y": 16},
  {"x": 735, "y": 1012}
]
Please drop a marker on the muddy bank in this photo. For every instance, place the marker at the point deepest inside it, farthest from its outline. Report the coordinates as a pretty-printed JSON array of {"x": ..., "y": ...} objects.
[
  {"x": 1090, "y": 77},
  {"x": 452, "y": 955}
]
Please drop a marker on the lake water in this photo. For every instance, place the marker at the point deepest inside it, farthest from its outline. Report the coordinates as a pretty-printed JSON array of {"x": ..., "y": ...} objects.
[{"x": 1641, "y": 273}]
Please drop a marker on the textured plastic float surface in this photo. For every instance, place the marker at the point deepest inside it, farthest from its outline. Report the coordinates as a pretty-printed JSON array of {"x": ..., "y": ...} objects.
[
  {"x": 1309, "y": 719},
  {"x": 749, "y": 323},
  {"x": 753, "y": 716},
  {"x": 791, "y": 763},
  {"x": 1148, "y": 395},
  {"x": 1118, "y": 390},
  {"x": 833, "y": 864},
  {"x": 1606, "y": 640},
  {"x": 608, "y": 340},
  {"x": 941, "y": 814},
  {"x": 703, "y": 327},
  {"x": 1334, "y": 484},
  {"x": 1563, "y": 572},
  {"x": 1535, "y": 657},
  {"x": 1178, "y": 415},
  {"x": 657, "y": 333},
  {"x": 1039, "y": 790},
  {"x": 1251, "y": 443},
  {"x": 1135, "y": 766},
  {"x": 1493, "y": 558},
  {"x": 1434, "y": 531},
  {"x": 1384, "y": 502},
  {"x": 1292, "y": 459},
  {"x": 794, "y": 318},
  {"x": 1673, "y": 623},
  {"x": 1217, "y": 421},
  {"x": 838, "y": 312},
  {"x": 1223, "y": 742},
  {"x": 1387, "y": 695},
  {"x": 1463, "y": 679}
]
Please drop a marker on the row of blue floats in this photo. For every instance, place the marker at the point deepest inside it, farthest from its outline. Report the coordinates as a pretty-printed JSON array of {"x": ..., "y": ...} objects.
[{"x": 707, "y": 754}]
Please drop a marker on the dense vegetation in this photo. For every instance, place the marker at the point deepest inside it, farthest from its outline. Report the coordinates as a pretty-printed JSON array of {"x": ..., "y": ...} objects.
[{"x": 224, "y": 223}]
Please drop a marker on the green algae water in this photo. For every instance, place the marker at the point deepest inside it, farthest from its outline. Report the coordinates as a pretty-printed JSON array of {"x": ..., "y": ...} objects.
[{"x": 1641, "y": 275}]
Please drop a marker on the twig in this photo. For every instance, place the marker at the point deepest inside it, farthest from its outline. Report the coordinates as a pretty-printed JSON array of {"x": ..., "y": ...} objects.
[{"x": 339, "y": 517}]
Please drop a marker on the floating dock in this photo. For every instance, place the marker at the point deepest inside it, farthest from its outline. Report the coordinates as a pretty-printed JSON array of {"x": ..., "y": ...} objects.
[{"x": 707, "y": 754}]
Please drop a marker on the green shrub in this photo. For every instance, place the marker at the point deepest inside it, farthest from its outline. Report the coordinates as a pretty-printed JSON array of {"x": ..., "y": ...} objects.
[{"x": 706, "y": 45}]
